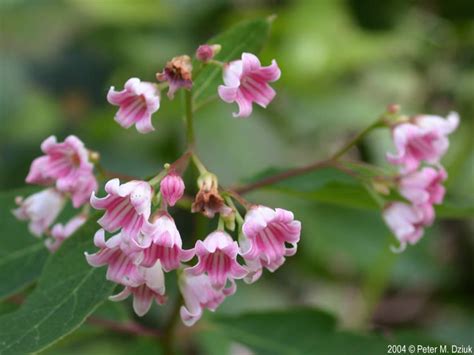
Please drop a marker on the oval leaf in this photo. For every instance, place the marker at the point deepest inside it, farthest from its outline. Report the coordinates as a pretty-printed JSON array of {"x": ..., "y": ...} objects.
[
  {"x": 68, "y": 291},
  {"x": 22, "y": 256}
]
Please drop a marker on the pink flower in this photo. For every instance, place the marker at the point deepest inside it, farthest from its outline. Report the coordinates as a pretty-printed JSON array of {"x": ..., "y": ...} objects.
[
  {"x": 82, "y": 190},
  {"x": 127, "y": 206},
  {"x": 66, "y": 164},
  {"x": 40, "y": 209},
  {"x": 246, "y": 81},
  {"x": 60, "y": 232},
  {"x": 172, "y": 188},
  {"x": 218, "y": 258},
  {"x": 206, "y": 52},
  {"x": 423, "y": 140},
  {"x": 153, "y": 288},
  {"x": 407, "y": 221},
  {"x": 424, "y": 186},
  {"x": 137, "y": 102},
  {"x": 162, "y": 242},
  {"x": 267, "y": 231},
  {"x": 122, "y": 268},
  {"x": 199, "y": 294}
]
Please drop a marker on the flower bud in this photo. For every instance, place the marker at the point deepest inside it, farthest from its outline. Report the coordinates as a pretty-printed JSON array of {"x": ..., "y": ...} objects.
[
  {"x": 172, "y": 188},
  {"x": 206, "y": 52}
]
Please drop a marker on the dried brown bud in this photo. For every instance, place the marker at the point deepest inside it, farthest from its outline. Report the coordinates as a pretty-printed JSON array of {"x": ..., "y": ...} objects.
[
  {"x": 178, "y": 73},
  {"x": 208, "y": 201}
]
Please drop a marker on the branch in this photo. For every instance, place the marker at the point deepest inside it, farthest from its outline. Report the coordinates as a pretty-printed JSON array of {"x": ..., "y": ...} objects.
[
  {"x": 331, "y": 162},
  {"x": 131, "y": 327},
  {"x": 273, "y": 179}
]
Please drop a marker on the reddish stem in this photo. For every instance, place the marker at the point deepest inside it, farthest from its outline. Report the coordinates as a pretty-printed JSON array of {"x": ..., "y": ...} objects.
[{"x": 125, "y": 328}]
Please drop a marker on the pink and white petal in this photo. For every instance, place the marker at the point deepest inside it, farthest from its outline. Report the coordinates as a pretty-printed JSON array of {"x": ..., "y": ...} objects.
[
  {"x": 250, "y": 63},
  {"x": 233, "y": 73},
  {"x": 227, "y": 93},
  {"x": 142, "y": 300},
  {"x": 245, "y": 105},
  {"x": 121, "y": 295},
  {"x": 144, "y": 125},
  {"x": 269, "y": 73}
]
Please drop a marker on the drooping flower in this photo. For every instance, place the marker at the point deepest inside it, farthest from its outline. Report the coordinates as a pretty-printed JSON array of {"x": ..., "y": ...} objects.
[
  {"x": 161, "y": 241},
  {"x": 60, "y": 232},
  {"x": 246, "y": 81},
  {"x": 126, "y": 206},
  {"x": 178, "y": 74},
  {"x": 172, "y": 188},
  {"x": 153, "y": 288},
  {"x": 407, "y": 222},
  {"x": 82, "y": 190},
  {"x": 137, "y": 102},
  {"x": 218, "y": 258},
  {"x": 122, "y": 268},
  {"x": 40, "y": 209},
  {"x": 266, "y": 233},
  {"x": 67, "y": 165},
  {"x": 423, "y": 186},
  {"x": 198, "y": 295},
  {"x": 424, "y": 139},
  {"x": 206, "y": 52}
]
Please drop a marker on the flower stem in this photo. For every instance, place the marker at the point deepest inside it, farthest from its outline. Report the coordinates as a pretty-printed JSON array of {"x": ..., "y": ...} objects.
[
  {"x": 199, "y": 165},
  {"x": 188, "y": 102},
  {"x": 238, "y": 217},
  {"x": 356, "y": 140}
]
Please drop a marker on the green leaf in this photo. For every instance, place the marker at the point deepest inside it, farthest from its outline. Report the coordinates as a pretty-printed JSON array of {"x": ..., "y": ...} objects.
[
  {"x": 22, "y": 256},
  {"x": 247, "y": 36},
  {"x": 296, "y": 331},
  {"x": 325, "y": 185},
  {"x": 68, "y": 291}
]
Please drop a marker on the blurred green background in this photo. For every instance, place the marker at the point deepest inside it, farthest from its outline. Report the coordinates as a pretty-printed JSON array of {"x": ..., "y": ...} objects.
[{"x": 342, "y": 62}]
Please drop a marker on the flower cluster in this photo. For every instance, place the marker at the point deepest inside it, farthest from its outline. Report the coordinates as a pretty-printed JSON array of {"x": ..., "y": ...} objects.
[
  {"x": 245, "y": 82},
  {"x": 146, "y": 244},
  {"x": 67, "y": 172},
  {"x": 420, "y": 142}
]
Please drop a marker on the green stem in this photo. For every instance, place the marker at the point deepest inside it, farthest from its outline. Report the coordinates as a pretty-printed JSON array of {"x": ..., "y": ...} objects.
[
  {"x": 168, "y": 331},
  {"x": 188, "y": 101},
  {"x": 238, "y": 217},
  {"x": 156, "y": 179},
  {"x": 199, "y": 165},
  {"x": 356, "y": 139}
]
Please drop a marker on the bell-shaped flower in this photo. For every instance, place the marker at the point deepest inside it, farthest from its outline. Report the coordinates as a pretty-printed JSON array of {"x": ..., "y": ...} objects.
[
  {"x": 218, "y": 258},
  {"x": 266, "y": 235},
  {"x": 198, "y": 294},
  {"x": 122, "y": 268},
  {"x": 161, "y": 240},
  {"x": 126, "y": 206},
  {"x": 137, "y": 101},
  {"x": 40, "y": 209},
  {"x": 423, "y": 139},
  {"x": 423, "y": 186},
  {"x": 59, "y": 232},
  {"x": 153, "y": 288},
  {"x": 172, "y": 188},
  {"x": 246, "y": 81},
  {"x": 67, "y": 165},
  {"x": 407, "y": 222}
]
